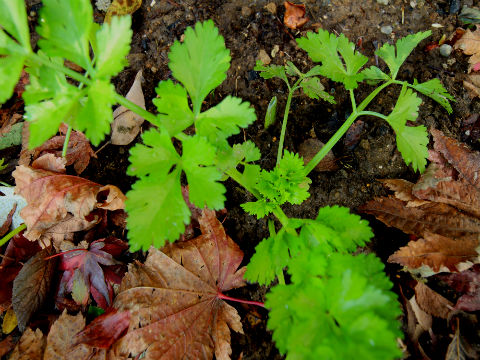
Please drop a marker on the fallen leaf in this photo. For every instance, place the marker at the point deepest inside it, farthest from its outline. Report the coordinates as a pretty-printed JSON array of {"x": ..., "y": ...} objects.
[
  {"x": 122, "y": 7},
  {"x": 51, "y": 196},
  {"x": 31, "y": 286},
  {"x": 432, "y": 302},
  {"x": 423, "y": 319},
  {"x": 30, "y": 346},
  {"x": 469, "y": 43},
  {"x": 403, "y": 191},
  {"x": 6, "y": 345},
  {"x": 7, "y": 125},
  {"x": 5, "y": 227},
  {"x": 104, "y": 330},
  {"x": 7, "y": 201},
  {"x": 9, "y": 321},
  {"x": 85, "y": 271},
  {"x": 436, "y": 253},
  {"x": 310, "y": 147},
  {"x": 459, "y": 349},
  {"x": 294, "y": 15},
  {"x": 467, "y": 283},
  {"x": 174, "y": 298},
  {"x": 61, "y": 342},
  {"x": 126, "y": 124}
]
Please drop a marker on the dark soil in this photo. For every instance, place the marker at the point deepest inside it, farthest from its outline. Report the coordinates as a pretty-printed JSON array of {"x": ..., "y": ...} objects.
[{"x": 249, "y": 27}]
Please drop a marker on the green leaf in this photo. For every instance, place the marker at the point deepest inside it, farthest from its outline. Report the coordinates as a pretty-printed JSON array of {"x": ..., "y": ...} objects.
[
  {"x": 373, "y": 75},
  {"x": 65, "y": 28},
  {"x": 200, "y": 63},
  {"x": 225, "y": 119},
  {"x": 13, "y": 18},
  {"x": 292, "y": 70},
  {"x": 172, "y": 104},
  {"x": 113, "y": 44},
  {"x": 10, "y": 71},
  {"x": 12, "y": 138},
  {"x": 394, "y": 56},
  {"x": 313, "y": 88},
  {"x": 203, "y": 186},
  {"x": 96, "y": 115},
  {"x": 259, "y": 208},
  {"x": 247, "y": 151},
  {"x": 271, "y": 71},
  {"x": 271, "y": 113},
  {"x": 435, "y": 90},
  {"x": 327, "y": 48},
  {"x": 411, "y": 141},
  {"x": 250, "y": 175}
]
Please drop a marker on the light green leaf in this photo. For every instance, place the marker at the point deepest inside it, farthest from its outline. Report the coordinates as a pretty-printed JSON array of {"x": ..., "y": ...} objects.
[
  {"x": 271, "y": 71},
  {"x": 259, "y": 208},
  {"x": 412, "y": 143},
  {"x": 12, "y": 138},
  {"x": 198, "y": 156},
  {"x": 394, "y": 56},
  {"x": 247, "y": 151},
  {"x": 65, "y": 28},
  {"x": 10, "y": 71},
  {"x": 374, "y": 75},
  {"x": 406, "y": 109},
  {"x": 292, "y": 70},
  {"x": 113, "y": 44},
  {"x": 13, "y": 18},
  {"x": 225, "y": 119},
  {"x": 172, "y": 104},
  {"x": 96, "y": 115},
  {"x": 326, "y": 48},
  {"x": 200, "y": 63},
  {"x": 271, "y": 114},
  {"x": 313, "y": 88},
  {"x": 435, "y": 90}
]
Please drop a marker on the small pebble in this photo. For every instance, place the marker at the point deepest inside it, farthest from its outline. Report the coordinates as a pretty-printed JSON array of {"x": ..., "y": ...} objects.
[
  {"x": 275, "y": 50},
  {"x": 263, "y": 57},
  {"x": 445, "y": 50},
  {"x": 271, "y": 7},
  {"x": 387, "y": 30},
  {"x": 383, "y": 2},
  {"x": 246, "y": 11}
]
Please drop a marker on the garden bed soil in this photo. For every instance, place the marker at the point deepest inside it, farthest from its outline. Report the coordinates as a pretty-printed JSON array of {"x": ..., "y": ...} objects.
[{"x": 249, "y": 27}]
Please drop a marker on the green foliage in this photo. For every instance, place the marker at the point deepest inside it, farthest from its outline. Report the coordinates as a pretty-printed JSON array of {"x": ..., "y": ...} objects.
[
  {"x": 2, "y": 167},
  {"x": 271, "y": 113},
  {"x": 435, "y": 90}
]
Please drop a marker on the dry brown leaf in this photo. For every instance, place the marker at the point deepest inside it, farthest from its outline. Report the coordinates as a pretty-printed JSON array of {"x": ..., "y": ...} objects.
[
  {"x": 173, "y": 299},
  {"x": 403, "y": 191},
  {"x": 122, "y": 7},
  {"x": 52, "y": 196},
  {"x": 469, "y": 43},
  {"x": 423, "y": 319},
  {"x": 126, "y": 124},
  {"x": 6, "y": 345},
  {"x": 30, "y": 346},
  {"x": 436, "y": 253},
  {"x": 294, "y": 15},
  {"x": 5, "y": 227},
  {"x": 7, "y": 125},
  {"x": 310, "y": 147},
  {"x": 432, "y": 302},
  {"x": 62, "y": 337}
]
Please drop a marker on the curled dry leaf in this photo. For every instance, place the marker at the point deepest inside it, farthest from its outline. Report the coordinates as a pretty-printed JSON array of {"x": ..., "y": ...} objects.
[
  {"x": 432, "y": 302},
  {"x": 294, "y": 15},
  {"x": 31, "y": 286},
  {"x": 126, "y": 124},
  {"x": 122, "y": 7},
  {"x": 174, "y": 302},
  {"x": 30, "y": 347},
  {"x": 51, "y": 196}
]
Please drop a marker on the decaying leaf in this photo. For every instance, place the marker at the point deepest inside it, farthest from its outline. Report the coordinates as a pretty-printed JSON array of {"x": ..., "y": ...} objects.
[
  {"x": 7, "y": 201},
  {"x": 5, "y": 226},
  {"x": 469, "y": 44},
  {"x": 122, "y": 7},
  {"x": 174, "y": 302},
  {"x": 310, "y": 147},
  {"x": 31, "y": 286},
  {"x": 30, "y": 346},
  {"x": 459, "y": 349},
  {"x": 126, "y": 124},
  {"x": 431, "y": 302},
  {"x": 9, "y": 321},
  {"x": 51, "y": 196},
  {"x": 294, "y": 15},
  {"x": 468, "y": 283},
  {"x": 6, "y": 345}
]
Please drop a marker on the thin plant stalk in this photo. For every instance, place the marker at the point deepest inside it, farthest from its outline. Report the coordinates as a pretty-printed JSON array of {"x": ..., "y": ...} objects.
[{"x": 12, "y": 234}]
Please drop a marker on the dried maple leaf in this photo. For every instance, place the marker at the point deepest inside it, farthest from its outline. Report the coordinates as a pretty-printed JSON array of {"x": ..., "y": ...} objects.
[
  {"x": 31, "y": 286},
  {"x": 90, "y": 271},
  {"x": 294, "y": 15},
  {"x": 52, "y": 195},
  {"x": 175, "y": 298},
  {"x": 30, "y": 346}
]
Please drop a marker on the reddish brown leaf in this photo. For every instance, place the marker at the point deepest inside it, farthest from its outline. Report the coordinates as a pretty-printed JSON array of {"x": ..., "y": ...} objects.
[
  {"x": 468, "y": 283},
  {"x": 31, "y": 286},
  {"x": 403, "y": 191},
  {"x": 294, "y": 15},
  {"x": 432, "y": 302},
  {"x": 104, "y": 330},
  {"x": 174, "y": 299},
  {"x": 61, "y": 340},
  {"x": 438, "y": 253},
  {"x": 30, "y": 346},
  {"x": 6, "y": 345},
  {"x": 5, "y": 227}
]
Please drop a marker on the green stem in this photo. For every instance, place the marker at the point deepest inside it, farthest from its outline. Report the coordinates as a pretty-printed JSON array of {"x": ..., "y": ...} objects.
[
  {"x": 147, "y": 115},
  {"x": 281, "y": 278},
  {"x": 352, "y": 99},
  {"x": 69, "y": 72},
  {"x": 373, "y": 113},
  {"x": 65, "y": 143},
  {"x": 345, "y": 126},
  {"x": 12, "y": 234}
]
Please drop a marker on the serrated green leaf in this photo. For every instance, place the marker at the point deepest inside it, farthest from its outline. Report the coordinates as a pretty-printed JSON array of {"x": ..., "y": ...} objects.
[
  {"x": 198, "y": 156},
  {"x": 65, "y": 28},
  {"x": 326, "y": 48},
  {"x": 113, "y": 44},
  {"x": 259, "y": 208},
  {"x": 373, "y": 75},
  {"x": 172, "y": 104},
  {"x": 394, "y": 56},
  {"x": 247, "y": 151},
  {"x": 200, "y": 63},
  {"x": 292, "y": 70},
  {"x": 271, "y": 113},
  {"x": 250, "y": 175},
  {"x": 96, "y": 115},
  {"x": 313, "y": 88},
  {"x": 315, "y": 71},
  {"x": 271, "y": 71},
  {"x": 156, "y": 211},
  {"x": 225, "y": 119},
  {"x": 435, "y": 90},
  {"x": 13, "y": 18}
]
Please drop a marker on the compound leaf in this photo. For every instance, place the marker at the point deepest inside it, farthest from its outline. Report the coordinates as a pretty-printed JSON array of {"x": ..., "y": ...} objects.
[
  {"x": 313, "y": 88},
  {"x": 435, "y": 90},
  {"x": 13, "y": 18},
  {"x": 200, "y": 63},
  {"x": 271, "y": 71},
  {"x": 374, "y": 75}
]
